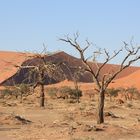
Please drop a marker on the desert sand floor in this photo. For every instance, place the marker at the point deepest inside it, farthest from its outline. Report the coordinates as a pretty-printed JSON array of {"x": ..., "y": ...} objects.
[{"x": 61, "y": 120}]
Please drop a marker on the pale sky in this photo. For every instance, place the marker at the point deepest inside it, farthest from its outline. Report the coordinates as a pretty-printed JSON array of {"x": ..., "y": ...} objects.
[{"x": 27, "y": 24}]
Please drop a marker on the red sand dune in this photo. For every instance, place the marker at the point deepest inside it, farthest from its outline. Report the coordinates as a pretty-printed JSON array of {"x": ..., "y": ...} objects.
[
  {"x": 81, "y": 85},
  {"x": 132, "y": 80},
  {"x": 7, "y": 62},
  {"x": 9, "y": 59}
]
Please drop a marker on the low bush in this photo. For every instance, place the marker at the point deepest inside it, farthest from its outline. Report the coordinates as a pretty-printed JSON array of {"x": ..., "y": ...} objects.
[
  {"x": 71, "y": 93},
  {"x": 21, "y": 90},
  {"x": 15, "y": 91},
  {"x": 65, "y": 89},
  {"x": 112, "y": 92},
  {"x": 52, "y": 92},
  {"x": 64, "y": 92},
  {"x": 75, "y": 93},
  {"x": 6, "y": 92}
]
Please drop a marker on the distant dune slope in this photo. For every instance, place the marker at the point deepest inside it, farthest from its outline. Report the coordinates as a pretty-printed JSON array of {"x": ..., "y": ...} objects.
[
  {"x": 8, "y": 72},
  {"x": 132, "y": 80},
  {"x": 7, "y": 62}
]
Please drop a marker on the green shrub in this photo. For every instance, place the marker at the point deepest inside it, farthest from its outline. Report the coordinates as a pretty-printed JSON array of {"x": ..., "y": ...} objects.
[
  {"x": 132, "y": 90},
  {"x": 21, "y": 90},
  {"x": 65, "y": 89},
  {"x": 71, "y": 93},
  {"x": 52, "y": 91},
  {"x": 113, "y": 91},
  {"x": 75, "y": 93},
  {"x": 16, "y": 91},
  {"x": 6, "y": 92},
  {"x": 64, "y": 92}
]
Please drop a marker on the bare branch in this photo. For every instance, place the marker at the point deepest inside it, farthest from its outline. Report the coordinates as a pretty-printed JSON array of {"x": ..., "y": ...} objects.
[
  {"x": 25, "y": 67},
  {"x": 131, "y": 52},
  {"x": 108, "y": 58},
  {"x": 122, "y": 67},
  {"x": 81, "y": 51}
]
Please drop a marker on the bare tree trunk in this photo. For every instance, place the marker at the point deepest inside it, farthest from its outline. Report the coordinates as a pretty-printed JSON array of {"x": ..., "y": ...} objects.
[
  {"x": 42, "y": 96},
  {"x": 21, "y": 96},
  {"x": 100, "y": 110}
]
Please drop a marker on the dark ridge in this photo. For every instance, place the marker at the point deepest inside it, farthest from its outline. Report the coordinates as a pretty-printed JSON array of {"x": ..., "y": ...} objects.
[{"x": 72, "y": 62}]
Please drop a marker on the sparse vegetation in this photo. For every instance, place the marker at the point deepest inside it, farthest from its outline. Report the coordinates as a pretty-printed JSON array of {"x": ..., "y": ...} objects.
[
  {"x": 131, "y": 92},
  {"x": 16, "y": 91},
  {"x": 112, "y": 92},
  {"x": 75, "y": 121},
  {"x": 21, "y": 90},
  {"x": 70, "y": 93},
  {"x": 6, "y": 92},
  {"x": 64, "y": 92},
  {"x": 52, "y": 92}
]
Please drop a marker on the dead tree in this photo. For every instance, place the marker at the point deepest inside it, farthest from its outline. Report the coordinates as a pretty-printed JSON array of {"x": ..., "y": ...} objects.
[
  {"x": 102, "y": 84},
  {"x": 43, "y": 68},
  {"x": 75, "y": 73}
]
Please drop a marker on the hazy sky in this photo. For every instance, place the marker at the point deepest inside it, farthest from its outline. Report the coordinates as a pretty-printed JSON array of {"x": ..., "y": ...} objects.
[{"x": 27, "y": 24}]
